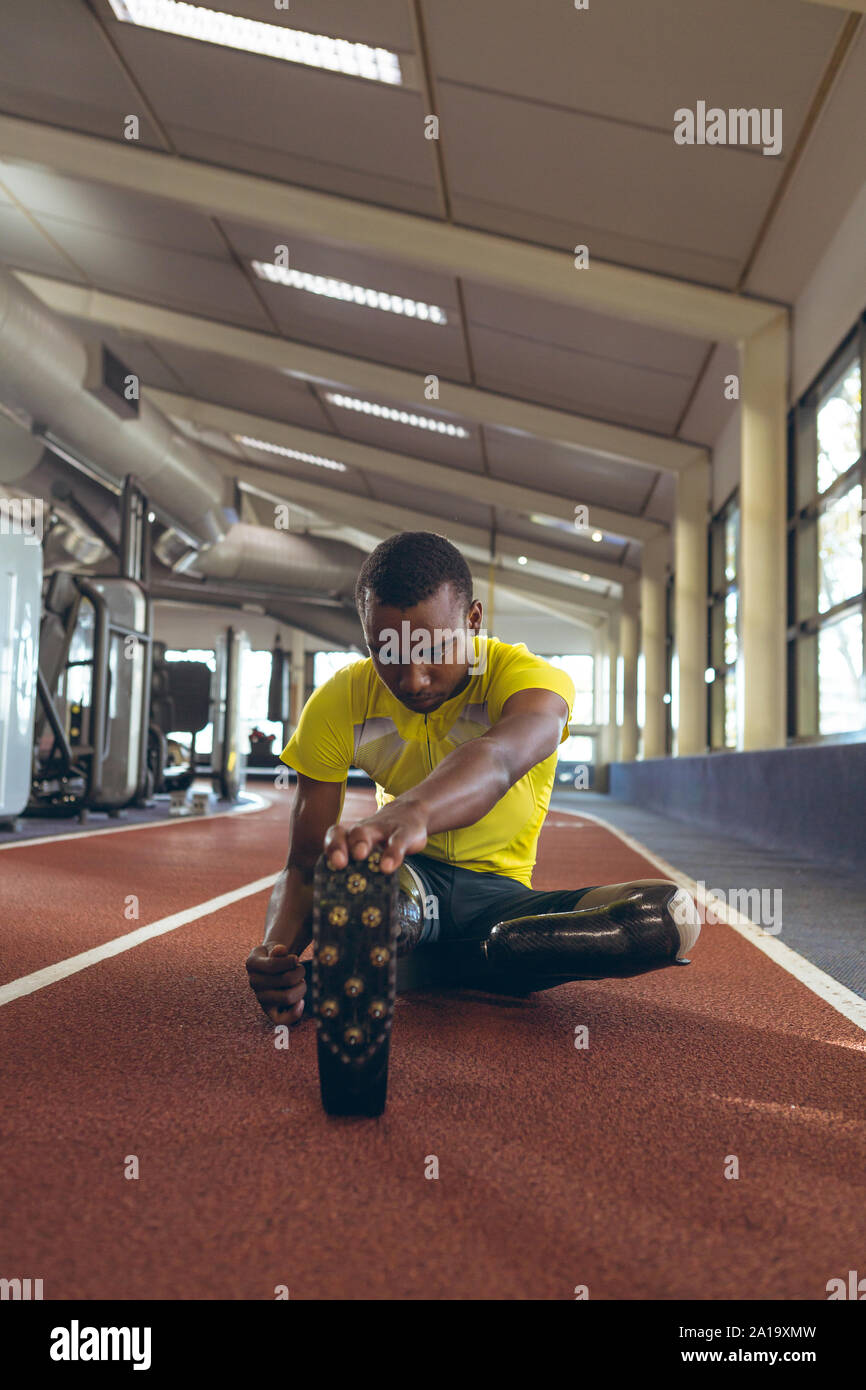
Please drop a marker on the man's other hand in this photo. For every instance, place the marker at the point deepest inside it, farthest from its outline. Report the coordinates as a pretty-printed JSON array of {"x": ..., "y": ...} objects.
[{"x": 278, "y": 982}]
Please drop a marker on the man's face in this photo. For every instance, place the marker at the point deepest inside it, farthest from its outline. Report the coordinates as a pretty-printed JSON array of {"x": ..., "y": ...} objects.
[{"x": 418, "y": 652}]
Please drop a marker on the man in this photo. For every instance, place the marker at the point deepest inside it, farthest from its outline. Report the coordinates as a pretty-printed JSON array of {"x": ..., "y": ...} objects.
[{"x": 460, "y": 734}]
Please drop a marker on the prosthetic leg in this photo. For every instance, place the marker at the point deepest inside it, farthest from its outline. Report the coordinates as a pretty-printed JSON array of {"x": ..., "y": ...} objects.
[
  {"x": 617, "y": 931},
  {"x": 364, "y": 919}
]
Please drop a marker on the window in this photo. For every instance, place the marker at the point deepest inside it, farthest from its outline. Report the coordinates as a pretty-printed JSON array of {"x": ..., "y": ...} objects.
[
  {"x": 826, "y": 524},
  {"x": 255, "y": 683},
  {"x": 671, "y": 671},
  {"x": 582, "y": 672},
  {"x": 723, "y": 658},
  {"x": 327, "y": 664}
]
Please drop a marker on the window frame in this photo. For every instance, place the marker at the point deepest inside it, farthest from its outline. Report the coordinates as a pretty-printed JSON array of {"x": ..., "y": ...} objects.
[
  {"x": 717, "y": 595},
  {"x": 806, "y": 504}
]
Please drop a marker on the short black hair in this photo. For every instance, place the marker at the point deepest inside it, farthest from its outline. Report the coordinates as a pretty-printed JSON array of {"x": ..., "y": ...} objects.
[{"x": 409, "y": 567}]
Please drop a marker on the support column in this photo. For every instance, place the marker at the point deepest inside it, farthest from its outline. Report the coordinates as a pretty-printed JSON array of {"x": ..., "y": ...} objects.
[
  {"x": 612, "y": 658},
  {"x": 628, "y": 645},
  {"x": 652, "y": 610},
  {"x": 763, "y": 394},
  {"x": 690, "y": 605},
  {"x": 298, "y": 676}
]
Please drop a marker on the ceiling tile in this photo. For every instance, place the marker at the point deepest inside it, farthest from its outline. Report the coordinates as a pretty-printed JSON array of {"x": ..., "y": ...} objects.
[
  {"x": 584, "y": 478},
  {"x": 206, "y": 285},
  {"x": 828, "y": 177},
  {"x": 598, "y": 177},
  {"x": 408, "y": 439},
  {"x": 415, "y": 497},
  {"x": 25, "y": 247},
  {"x": 515, "y": 525},
  {"x": 229, "y": 100},
  {"x": 574, "y": 381},
  {"x": 57, "y": 67},
  {"x": 639, "y": 62},
  {"x": 710, "y": 411},
  {"x": 581, "y": 330},
  {"x": 243, "y": 386},
  {"x": 352, "y": 328},
  {"x": 113, "y": 211}
]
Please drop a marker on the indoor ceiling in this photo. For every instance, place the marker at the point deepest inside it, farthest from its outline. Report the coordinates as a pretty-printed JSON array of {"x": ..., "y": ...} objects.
[{"x": 555, "y": 130}]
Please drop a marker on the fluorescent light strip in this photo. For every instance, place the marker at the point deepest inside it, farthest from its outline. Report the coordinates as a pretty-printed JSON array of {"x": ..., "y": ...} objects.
[
  {"x": 400, "y": 417},
  {"x": 350, "y": 294},
  {"x": 269, "y": 448},
  {"x": 270, "y": 40}
]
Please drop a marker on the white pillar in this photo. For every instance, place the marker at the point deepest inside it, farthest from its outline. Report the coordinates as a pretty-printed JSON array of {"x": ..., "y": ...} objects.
[
  {"x": 298, "y": 675},
  {"x": 763, "y": 395},
  {"x": 652, "y": 629},
  {"x": 628, "y": 646},
  {"x": 612, "y": 659},
  {"x": 690, "y": 605}
]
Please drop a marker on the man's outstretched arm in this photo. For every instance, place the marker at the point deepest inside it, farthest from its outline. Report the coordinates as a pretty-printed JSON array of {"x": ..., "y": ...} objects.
[
  {"x": 463, "y": 788},
  {"x": 275, "y": 973}
]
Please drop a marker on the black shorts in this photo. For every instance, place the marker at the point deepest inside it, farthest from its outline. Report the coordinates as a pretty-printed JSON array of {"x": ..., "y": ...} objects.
[{"x": 462, "y": 904}]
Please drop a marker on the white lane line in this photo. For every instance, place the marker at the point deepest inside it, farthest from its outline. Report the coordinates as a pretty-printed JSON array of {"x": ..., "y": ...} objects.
[
  {"x": 28, "y": 984},
  {"x": 259, "y": 804},
  {"x": 842, "y": 999}
]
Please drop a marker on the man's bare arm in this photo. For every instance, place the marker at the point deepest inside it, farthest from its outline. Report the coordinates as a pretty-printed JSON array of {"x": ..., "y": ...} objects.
[
  {"x": 317, "y": 806},
  {"x": 275, "y": 973},
  {"x": 464, "y": 787}
]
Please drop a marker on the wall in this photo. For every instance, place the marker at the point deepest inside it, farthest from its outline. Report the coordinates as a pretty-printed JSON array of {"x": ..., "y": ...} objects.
[
  {"x": 809, "y": 802},
  {"x": 832, "y": 300}
]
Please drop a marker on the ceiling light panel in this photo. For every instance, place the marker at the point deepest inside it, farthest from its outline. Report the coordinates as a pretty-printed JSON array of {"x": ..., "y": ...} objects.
[
  {"x": 269, "y": 448},
  {"x": 350, "y": 294},
  {"x": 269, "y": 40},
  {"x": 399, "y": 417}
]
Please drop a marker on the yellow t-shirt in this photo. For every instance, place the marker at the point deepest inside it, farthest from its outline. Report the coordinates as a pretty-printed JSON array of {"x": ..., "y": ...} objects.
[{"x": 353, "y": 719}]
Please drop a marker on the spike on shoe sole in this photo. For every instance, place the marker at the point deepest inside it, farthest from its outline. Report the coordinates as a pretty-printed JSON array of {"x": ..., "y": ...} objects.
[{"x": 355, "y": 928}]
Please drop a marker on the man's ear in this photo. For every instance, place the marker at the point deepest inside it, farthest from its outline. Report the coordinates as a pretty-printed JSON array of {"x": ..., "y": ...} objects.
[{"x": 475, "y": 615}]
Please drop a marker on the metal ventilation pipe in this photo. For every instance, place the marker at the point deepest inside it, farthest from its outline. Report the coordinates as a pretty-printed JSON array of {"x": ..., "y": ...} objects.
[
  {"x": 43, "y": 369},
  {"x": 287, "y": 562},
  {"x": 44, "y": 375}
]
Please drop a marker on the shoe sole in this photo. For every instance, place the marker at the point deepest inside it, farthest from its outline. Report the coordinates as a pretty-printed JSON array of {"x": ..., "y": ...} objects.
[{"x": 355, "y": 932}]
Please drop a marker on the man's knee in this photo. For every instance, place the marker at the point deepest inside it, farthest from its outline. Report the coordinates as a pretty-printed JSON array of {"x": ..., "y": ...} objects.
[{"x": 613, "y": 892}]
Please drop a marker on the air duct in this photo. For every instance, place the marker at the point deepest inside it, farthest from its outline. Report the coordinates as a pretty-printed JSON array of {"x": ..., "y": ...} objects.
[
  {"x": 43, "y": 370},
  {"x": 44, "y": 367},
  {"x": 285, "y": 561}
]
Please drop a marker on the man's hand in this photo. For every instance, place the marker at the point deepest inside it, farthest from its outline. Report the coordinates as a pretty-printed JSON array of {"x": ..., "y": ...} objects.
[
  {"x": 277, "y": 979},
  {"x": 400, "y": 828}
]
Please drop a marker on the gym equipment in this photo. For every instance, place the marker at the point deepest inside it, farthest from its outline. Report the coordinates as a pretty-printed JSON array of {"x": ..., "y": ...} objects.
[
  {"x": 180, "y": 703},
  {"x": 20, "y": 603},
  {"x": 94, "y": 678},
  {"x": 94, "y": 695}
]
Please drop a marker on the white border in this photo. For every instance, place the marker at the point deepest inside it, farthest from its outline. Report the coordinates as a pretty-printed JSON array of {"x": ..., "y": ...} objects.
[{"x": 837, "y": 995}]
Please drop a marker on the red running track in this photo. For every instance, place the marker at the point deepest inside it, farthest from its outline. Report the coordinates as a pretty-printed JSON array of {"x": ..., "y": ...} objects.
[{"x": 558, "y": 1167}]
